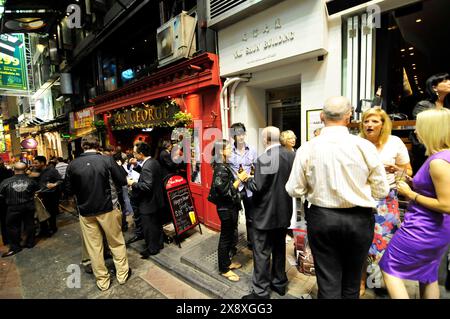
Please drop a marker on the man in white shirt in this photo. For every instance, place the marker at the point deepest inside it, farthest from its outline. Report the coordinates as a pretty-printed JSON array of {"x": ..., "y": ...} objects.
[{"x": 340, "y": 174}]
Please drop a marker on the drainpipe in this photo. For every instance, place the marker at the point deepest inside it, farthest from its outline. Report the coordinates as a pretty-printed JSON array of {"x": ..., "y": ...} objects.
[{"x": 224, "y": 101}]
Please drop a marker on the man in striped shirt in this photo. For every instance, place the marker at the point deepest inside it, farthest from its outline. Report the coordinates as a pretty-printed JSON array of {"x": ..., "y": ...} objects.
[{"x": 340, "y": 174}]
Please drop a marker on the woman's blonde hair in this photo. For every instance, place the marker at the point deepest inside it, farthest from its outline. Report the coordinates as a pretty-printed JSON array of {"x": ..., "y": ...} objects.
[
  {"x": 433, "y": 129},
  {"x": 385, "y": 129},
  {"x": 285, "y": 135}
]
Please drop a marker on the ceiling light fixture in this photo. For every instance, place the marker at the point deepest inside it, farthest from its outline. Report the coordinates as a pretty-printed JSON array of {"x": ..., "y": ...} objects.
[{"x": 419, "y": 20}]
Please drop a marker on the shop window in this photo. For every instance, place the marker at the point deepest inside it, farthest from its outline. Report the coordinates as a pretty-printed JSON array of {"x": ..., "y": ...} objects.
[
  {"x": 395, "y": 58},
  {"x": 284, "y": 109},
  {"x": 196, "y": 176},
  {"x": 109, "y": 74}
]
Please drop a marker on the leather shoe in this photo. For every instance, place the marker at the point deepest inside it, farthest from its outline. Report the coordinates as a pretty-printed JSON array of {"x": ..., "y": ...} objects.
[
  {"x": 279, "y": 291},
  {"x": 254, "y": 296},
  {"x": 145, "y": 254},
  {"x": 88, "y": 269},
  {"x": 133, "y": 239},
  {"x": 12, "y": 252}
]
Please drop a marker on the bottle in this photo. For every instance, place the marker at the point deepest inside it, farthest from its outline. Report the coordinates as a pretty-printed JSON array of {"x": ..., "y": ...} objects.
[
  {"x": 252, "y": 170},
  {"x": 241, "y": 169}
]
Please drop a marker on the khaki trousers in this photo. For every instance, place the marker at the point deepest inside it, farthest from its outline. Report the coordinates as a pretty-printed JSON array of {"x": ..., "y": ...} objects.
[{"x": 111, "y": 223}]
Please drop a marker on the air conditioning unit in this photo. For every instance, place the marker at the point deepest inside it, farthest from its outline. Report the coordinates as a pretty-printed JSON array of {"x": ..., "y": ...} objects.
[{"x": 176, "y": 39}]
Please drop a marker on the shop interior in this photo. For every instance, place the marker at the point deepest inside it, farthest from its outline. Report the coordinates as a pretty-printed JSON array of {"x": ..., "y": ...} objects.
[
  {"x": 410, "y": 47},
  {"x": 284, "y": 109}
]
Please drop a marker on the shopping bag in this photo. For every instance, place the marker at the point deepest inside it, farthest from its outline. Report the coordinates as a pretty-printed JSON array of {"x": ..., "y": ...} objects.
[{"x": 41, "y": 212}]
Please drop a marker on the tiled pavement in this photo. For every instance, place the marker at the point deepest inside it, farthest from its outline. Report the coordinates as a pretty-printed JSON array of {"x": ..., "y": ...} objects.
[
  {"x": 176, "y": 273},
  {"x": 42, "y": 273}
]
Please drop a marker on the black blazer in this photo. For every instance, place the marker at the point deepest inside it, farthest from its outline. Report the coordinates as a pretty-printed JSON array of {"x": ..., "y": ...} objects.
[
  {"x": 148, "y": 191},
  {"x": 272, "y": 205},
  {"x": 88, "y": 178}
]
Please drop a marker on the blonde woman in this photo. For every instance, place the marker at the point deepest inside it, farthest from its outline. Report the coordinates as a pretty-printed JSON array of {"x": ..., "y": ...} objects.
[
  {"x": 288, "y": 140},
  {"x": 376, "y": 127},
  {"x": 417, "y": 248}
]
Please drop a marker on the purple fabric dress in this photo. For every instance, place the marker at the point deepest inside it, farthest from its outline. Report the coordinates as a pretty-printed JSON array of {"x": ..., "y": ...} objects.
[{"x": 416, "y": 250}]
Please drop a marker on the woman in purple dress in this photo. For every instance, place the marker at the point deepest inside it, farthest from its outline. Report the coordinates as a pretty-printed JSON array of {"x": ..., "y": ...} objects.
[{"x": 416, "y": 249}]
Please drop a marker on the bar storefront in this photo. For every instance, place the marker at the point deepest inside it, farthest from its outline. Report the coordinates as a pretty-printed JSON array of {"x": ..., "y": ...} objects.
[{"x": 176, "y": 103}]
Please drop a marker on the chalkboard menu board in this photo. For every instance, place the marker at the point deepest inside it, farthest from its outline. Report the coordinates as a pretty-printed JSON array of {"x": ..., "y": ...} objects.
[{"x": 181, "y": 204}]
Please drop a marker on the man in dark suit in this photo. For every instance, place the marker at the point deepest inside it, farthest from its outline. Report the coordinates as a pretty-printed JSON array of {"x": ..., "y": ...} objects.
[
  {"x": 149, "y": 196},
  {"x": 271, "y": 216}
]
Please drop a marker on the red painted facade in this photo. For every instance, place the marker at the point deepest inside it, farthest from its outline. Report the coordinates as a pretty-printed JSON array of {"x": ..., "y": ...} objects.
[{"x": 197, "y": 83}]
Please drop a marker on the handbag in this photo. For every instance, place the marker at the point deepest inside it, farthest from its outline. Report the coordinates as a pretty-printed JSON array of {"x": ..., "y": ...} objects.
[{"x": 41, "y": 212}]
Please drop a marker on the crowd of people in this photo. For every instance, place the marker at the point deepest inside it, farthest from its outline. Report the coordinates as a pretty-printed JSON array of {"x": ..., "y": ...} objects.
[
  {"x": 107, "y": 185},
  {"x": 350, "y": 184}
]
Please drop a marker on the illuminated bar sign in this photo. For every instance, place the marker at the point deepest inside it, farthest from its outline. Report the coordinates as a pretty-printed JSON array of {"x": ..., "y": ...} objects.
[
  {"x": 13, "y": 68},
  {"x": 144, "y": 116},
  {"x": 83, "y": 118}
]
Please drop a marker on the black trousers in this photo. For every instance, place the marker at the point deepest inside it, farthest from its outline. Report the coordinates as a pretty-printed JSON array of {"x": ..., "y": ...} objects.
[
  {"x": 267, "y": 244},
  {"x": 15, "y": 215},
  {"x": 4, "y": 233},
  {"x": 152, "y": 230},
  {"x": 136, "y": 217},
  {"x": 339, "y": 241},
  {"x": 228, "y": 224},
  {"x": 51, "y": 203},
  {"x": 248, "y": 206}
]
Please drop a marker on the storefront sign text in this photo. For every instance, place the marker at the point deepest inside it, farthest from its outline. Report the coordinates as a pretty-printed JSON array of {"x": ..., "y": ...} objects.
[
  {"x": 144, "y": 116},
  {"x": 267, "y": 43}
]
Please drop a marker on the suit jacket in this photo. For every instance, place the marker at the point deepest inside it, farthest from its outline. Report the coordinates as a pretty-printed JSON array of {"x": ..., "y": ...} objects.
[
  {"x": 148, "y": 191},
  {"x": 272, "y": 205}
]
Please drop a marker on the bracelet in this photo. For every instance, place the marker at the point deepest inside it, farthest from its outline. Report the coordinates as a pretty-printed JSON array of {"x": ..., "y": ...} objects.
[{"x": 415, "y": 197}]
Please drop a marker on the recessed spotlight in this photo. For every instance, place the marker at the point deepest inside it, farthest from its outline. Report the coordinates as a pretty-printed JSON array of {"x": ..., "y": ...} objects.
[
  {"x": 411, "y": 48},
  {"x": 419, "y": 20},
  {"x": 402, "y": 50},
  {"x": 411, "y": 53},
  {"x": 414, "y": 68},
  {"x": 413, "y": 64}
]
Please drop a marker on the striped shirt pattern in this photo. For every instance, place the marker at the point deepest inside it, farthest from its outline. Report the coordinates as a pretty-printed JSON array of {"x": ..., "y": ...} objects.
[{"x": 338, "y": 170}]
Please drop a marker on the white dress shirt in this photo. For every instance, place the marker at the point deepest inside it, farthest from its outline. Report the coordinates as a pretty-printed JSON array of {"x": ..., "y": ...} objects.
[{"x": 338, "y": 170}]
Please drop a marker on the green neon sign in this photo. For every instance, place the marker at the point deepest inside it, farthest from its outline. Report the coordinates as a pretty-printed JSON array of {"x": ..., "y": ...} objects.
[{"x": 13, "y": 67}]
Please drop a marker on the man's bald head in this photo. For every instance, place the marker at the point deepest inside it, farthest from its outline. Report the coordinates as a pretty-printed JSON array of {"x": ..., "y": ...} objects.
[
  {"x": 336, "y": 108},
  {"x": 270, "y": 135},
  {"x": 20, "y": 167}
]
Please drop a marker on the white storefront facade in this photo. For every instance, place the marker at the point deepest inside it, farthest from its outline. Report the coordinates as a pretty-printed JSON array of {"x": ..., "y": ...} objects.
[{"x": 290, "y": 45}]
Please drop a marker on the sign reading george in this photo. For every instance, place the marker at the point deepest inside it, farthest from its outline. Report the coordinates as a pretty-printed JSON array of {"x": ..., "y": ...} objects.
[
  {"x": 144, "y": 116},
  {"x": 13, "y": 69}
]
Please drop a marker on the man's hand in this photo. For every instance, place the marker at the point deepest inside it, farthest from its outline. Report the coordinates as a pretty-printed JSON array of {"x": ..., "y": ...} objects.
[{"x": 51, "y": 185}]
